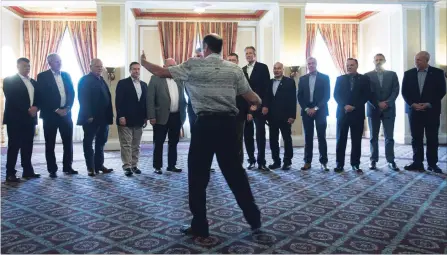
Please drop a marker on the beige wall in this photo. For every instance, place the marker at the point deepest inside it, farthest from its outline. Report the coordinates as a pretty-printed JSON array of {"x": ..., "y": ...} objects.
[
  {"x": 246, "y": 36},
  {"x": 293, "y": 43},
  {"x": 149, "y": 41},
  {"x": 10, "y": 42},
  {"x": 413, "y": 36},
  {"x": 268, "y": 48},
  {"x": 441, "y": 49}
]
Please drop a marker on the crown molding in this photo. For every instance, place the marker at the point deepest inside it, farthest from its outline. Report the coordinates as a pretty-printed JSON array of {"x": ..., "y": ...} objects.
[
  {"x": 441, "y": 4},
  {"x": 198, "y": 16}
]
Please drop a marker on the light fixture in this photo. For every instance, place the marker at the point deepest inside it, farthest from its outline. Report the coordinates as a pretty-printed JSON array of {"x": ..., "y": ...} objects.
[
  {"x": 199, "y": 10},
  {"x": 60, "y": 9},
  {"x": 444, "y": 68},
  {"x": 111, "y": 73},
  {"x": 294, "y": 70}
]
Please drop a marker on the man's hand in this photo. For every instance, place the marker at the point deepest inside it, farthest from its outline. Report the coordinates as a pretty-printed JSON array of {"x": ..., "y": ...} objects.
[
  {"x": 383, "y": 105},
  {"x": 90, "y": 120},
  {"x": 153, "y": 121},
  {"x": 265, "y": 110},
  {"x": 249, "y": 117},
  {"x": 122, "y": 121},
  {"x": 143, "y": 57},
  {"x": 290, "y": 121},
  {"x": 417, "y": 107},
  {"x": 311, "y": 112},
  {"x": 61, "y": 112},
  {"x": 32, "y": 111},
  {"x": 253, "y": 108},
  {"x": 424, "y": 106},
  {"x": 349, "y": 108}
]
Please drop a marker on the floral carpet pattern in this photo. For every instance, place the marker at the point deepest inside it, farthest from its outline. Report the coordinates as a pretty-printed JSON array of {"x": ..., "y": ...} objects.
[{"x": 313, "y": 211}]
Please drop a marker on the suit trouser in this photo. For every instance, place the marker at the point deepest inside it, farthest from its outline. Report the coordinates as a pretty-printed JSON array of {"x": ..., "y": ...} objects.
[
  {"x": 420, "y": 121},
  {"x": 50, "y": 127},
  {"x": 388, "y": 128},
  {"x": 320, "y": 123},
  {"x": 204, "y": 144},
  {"x": 20, "y": 138},
  {"x": 286, "y": 131},
  {"x": 344, "y": 124},
  {"x": 172, "y": 129},
  {"x": 130, "y": 139},
  {"x": 259, "y": 121},
  {"x": 240, "y": 124},
  {"x": 94, "y": 159},
  {"x": 192, "y": 118}
]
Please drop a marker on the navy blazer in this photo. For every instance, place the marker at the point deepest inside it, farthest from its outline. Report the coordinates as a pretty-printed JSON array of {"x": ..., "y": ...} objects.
[
  {"x": 17, "y": 101},
  {"x": 358, "y": 97},
  {"x": 50, "y": 96},
  {"x": 282, "y": 105},
  {"x": 322, "y": 93},
  {"x": 127, "y": 104},
  {"x": 89, "y": 90},
  {"x": 433, "y": 91},
  {"x": 387, "y": 92},
  {"x": 259, "y": 81}
]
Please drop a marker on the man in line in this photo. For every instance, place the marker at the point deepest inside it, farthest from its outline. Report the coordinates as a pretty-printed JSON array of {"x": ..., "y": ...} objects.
[
  {"x": 281, "y": 115},
  {"x": 57, "y": 96},
  {"x": 213, "y": 93},
  {"x": 95, "y": 116},
  {"x": 20, "y": 117},
  {"x": 166, "y": 110},
  {"x": 423, "y": 88},
  {"x": 243, "y": 107},
  {"x": 130, "y": 103},
  {"x": 258, "y": 76},
  {"x": 313, "y": 95},
  {"x": 351, "y": 92},
  {"x": 385, "y": 86}
]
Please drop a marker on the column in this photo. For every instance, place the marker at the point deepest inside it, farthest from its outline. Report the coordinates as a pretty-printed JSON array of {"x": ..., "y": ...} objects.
[
  {"x": 289, "y": 48},
  {"x": 112, "y": 51},
  {"x": 440, "y": 60}
]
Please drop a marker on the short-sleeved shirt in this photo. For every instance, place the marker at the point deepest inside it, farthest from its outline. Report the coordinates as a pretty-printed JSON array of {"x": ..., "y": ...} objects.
[{"x": 212, "y": 83}]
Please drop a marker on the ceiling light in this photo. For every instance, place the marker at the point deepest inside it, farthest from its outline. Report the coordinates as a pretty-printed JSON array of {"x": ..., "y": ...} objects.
[
  {"x": 199, "y": 10},
  {"x": 60, "y": 9}
]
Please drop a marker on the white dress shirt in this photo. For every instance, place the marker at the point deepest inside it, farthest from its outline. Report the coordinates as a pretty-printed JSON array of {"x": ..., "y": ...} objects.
[
  {"x": 137, "y": 84},
  {"x": 276, "y": 83},
  {"x": 312, "y": 79},
  {"x": 29, "y": 87},
  {"x": 173, "y": 94},
  {"x": 250, "y": 68},
  {"x": 60, "y": 87}
]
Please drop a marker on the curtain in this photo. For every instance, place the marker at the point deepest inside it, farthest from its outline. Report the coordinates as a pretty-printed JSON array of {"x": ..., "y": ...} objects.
[
  {"x": 177, "y": 39},
  {"x": 227, "y": 30},
  {"x": 342, "y": 42},
  {"x": 311, "y": 35},
  {"x": 40, "y": 39},
  {"x": 83, "y": 36}
]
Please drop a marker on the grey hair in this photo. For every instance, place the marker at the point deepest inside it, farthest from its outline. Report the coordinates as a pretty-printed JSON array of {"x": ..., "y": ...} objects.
[
  {"x": 51, "y": 56},
  {"x": 94, "y": 61},
  {"x": 425, "y": 54},
  {"x": 311, "y": 58}
]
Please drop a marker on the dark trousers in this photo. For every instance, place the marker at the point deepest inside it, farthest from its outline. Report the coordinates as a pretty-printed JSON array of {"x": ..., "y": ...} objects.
[
  {"x": 50, "y": 127},
  {"x": 258, "y": 121},
  {"x": 355, "y": 124},
  {"x": 240, "y": 124},
  {"x": 204, "y": 144},
  {"x": 172, "y": 129},
  {"x": 428, "y": 122},
  {"x": 388, "y": 130},
  {"x": 319, "y": 122},
  {"x": 192, "y": 117},
  {"x": 286, "y": 131},
  {"x": 94, "y": 159},
  {"x": 20, "y": 138}
]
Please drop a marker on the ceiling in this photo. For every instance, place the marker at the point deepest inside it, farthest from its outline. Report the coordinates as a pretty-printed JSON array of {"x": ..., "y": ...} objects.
[
  {"x": 146, "y": 10},
  {"x": 341, "y": 9},
  {"x": 57, "y": 9}
]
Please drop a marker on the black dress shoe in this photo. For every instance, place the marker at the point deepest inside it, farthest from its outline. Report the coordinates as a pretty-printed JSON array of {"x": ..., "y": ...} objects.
[
  {"x": 393, "y": 166},
  {"x": 53, "y": 175},
  {"x": 187, "y": 230},
  {"x": 128, "y": 172},
  {"x": 372, "y": 165},
  {"x": 32, "y": 175},
  {"x": 435, "y": 169},
  {"x": 173, "y": 169},
  {"x": 414, "y": 167},
  {"x": 251, "y": 166},
  {"x": 338, "y": 169},
  {"x": 263, "y": 168},
  {"x": 357, "y": 169},
  {"x": 104, "y": 170},
  {"x": 136, "y": 170},
  {"x": 306, "y": 166},
  {"x": 212, "y": 170},
  {"x": 324, "y": 167},
  {"x": 158, "y": 171},
  {"x": 275, "y": 166},
  {"x": 12, "y": 178},
  {"x": 286, "y": 166},
  {"x": 91, "y": 172},
  {"x": 70, "y": 171}
]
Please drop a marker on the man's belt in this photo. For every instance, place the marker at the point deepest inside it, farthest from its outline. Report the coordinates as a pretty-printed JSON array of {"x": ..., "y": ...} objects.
[{"x": 223, "y": 114}]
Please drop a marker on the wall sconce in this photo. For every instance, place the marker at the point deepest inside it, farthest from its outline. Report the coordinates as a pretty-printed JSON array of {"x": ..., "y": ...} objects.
[
  {"x": 444, "y": 67},
  {"x": 294, "y": 71},
  {"x": 110, "y": 73}
]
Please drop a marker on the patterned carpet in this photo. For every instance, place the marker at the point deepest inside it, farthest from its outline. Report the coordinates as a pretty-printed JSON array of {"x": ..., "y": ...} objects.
[{"x": 303, "y": 212}]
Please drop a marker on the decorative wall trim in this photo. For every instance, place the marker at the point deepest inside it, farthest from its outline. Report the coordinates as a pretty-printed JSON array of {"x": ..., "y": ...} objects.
[
  {"x": 198, "y": 16},
  {"x": 23, "y": 13},
  {"x": 349, "y": 18}
]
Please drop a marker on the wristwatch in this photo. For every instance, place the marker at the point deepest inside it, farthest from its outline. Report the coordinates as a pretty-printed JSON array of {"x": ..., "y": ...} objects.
[{"x": 316, "y": 108}]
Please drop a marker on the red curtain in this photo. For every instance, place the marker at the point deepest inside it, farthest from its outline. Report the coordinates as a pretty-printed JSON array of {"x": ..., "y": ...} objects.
[
  {"x": 311, "y": 35},
  {"x": 83, "y": 36},
  {"x": 177, "y": 39},
  {"x": 227, "y": 30},
  {"x": 342, "y": 42},
  {"x": 40, "y": 39}
]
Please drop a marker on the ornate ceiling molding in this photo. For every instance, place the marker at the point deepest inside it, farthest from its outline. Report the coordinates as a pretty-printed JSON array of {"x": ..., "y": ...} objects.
[
  {"x": 196, "y": 16},
  {"x": 353, "y": 18},
  {"x": 23, "y": 13}
]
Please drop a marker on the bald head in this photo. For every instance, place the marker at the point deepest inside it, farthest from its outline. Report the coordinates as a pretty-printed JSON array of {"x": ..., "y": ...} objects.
[
  {"x": 278, "y": 70},
  {"x": 96, "y": 66},
  {"x": 170, "y": 62},
  {"x": 421, "y": 60}
]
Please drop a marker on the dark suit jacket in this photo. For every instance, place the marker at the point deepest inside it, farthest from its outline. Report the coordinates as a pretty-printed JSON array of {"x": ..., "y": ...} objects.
[
  {"x": 127, "y": 104},
  {"x": 433, "y": 91},
  {"x": 282, "y": 105},
  {"x": 159, "y": 100},
  {"x": 322, "y": 93},
  {"x": 89, "y": 91},
  {"x": 387, "y": 92},
  {"x": 50, "y": 96},
  {"x": 358, "y": 97},
  {"x": 259, "y": 81},
  {"x": 17, "y": 101}
]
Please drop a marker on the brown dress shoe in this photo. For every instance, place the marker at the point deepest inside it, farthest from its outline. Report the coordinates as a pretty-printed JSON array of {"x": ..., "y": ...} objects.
[{"x": 306, "y": 166}]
